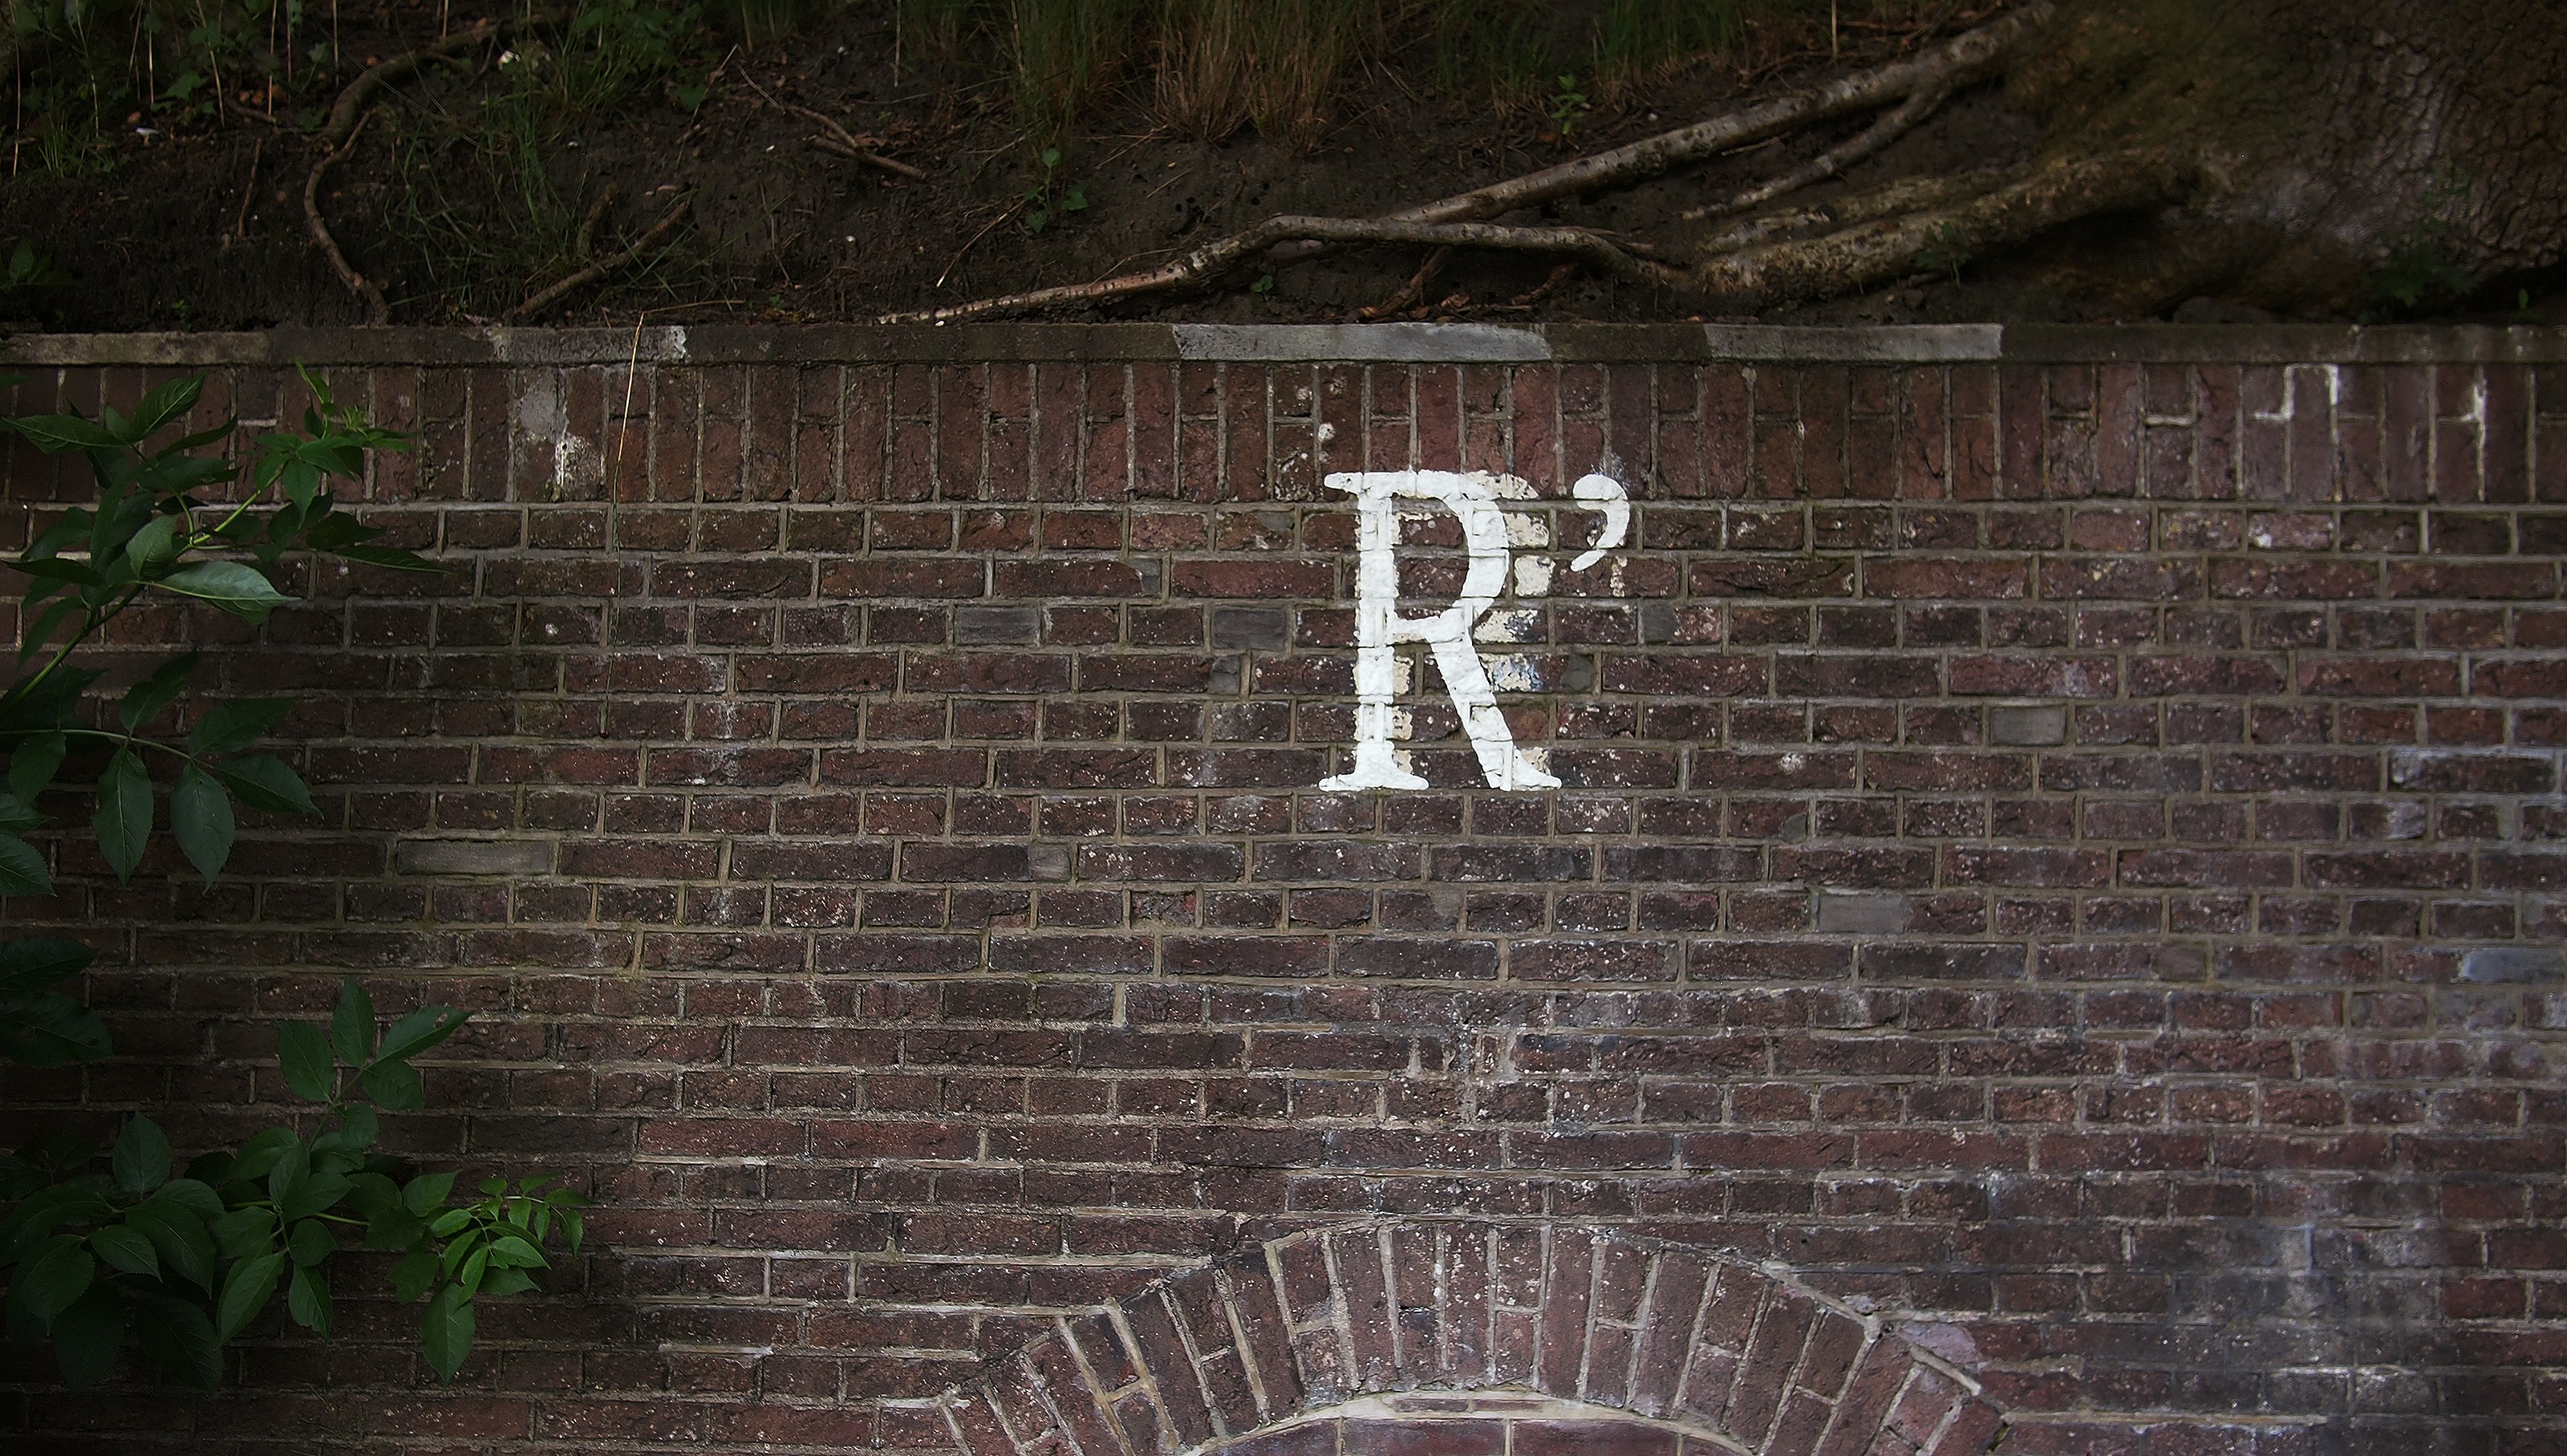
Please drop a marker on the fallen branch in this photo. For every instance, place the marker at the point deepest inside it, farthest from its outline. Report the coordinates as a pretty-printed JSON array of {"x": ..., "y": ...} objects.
[
  {"x": 546, "y": 298},
  {"x": 351, "y": 105},
  {"x": 1219, "y": 256},
  {"x": 585, "y": 245},
  {"x": 1414, "y": 290},
  {"x": 1959, "y": 62},
  {"x": 1867, "y": 254},
  {"x": 376, "y": 310},
  {"x": 839, "y": 140},
  {"x": 1907, "y": 194},
  {"x": 1892, "y": 124}
]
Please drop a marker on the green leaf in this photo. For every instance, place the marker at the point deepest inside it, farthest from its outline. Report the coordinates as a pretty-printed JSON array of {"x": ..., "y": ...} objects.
[
  {"x": 123, "y": 812},
  {"x": 262, "y": 1152},
  {"x": 55, "y": 568},
  {"x": 128, "y": 1248},
  {"x": 445, "y": 1333},
  {"x": 30, "y": 963},
  {"x": 228, "y": 727},
  {"x": 237, "y": 589},
  {"x": 144, "y": 700},
  {"x": 292, "y": 1166},
  {"x": 167, "y": 403},
  {"x": 200, "y": 817},
  {"x": 40, "y": 1029},
  {"x": 22, "y": 869},
  {"x": 426, "y": 1192},
  {"x": 420, "y": 1030},
  {"x": 512, "y": 1252},
  {"x": 88, "y": 1334},
  {"x": 303, "y": 1054},
  {"x": 15, "y": 816},
  {"x": 310, "y": 1243},
  {"x": 307, "y": 1298},
  {"x": 476, "y": 1265},
  {"x": 392, "y": 1085},
  {"x": 46, "y": 1285},
  {"x": 244, "y": 1231},
  {"x": 54, "y": 433},
  {"x": 142, "y": 1156},
  {"x": 32, "y": 766},
  {"x": 352, "y": 1023},
  {"x": 246, "y": 1290},
  {"x": 414, "y": 1273},
  {"x": 450, "y": 1221},
  {"x": 266, "y": 783},
  {"x": 156, "y": 544},
  {"x": 39, "y": 635},
  {"x": 192, "y": 1196},
  {"x": 506, "y": 1281},
  {"x": 357, "y": 1130},
  {"x": 312, "y": 1194},
  {"x": 180, "y": 1340},
  {"x": 184, "y": 1242}
]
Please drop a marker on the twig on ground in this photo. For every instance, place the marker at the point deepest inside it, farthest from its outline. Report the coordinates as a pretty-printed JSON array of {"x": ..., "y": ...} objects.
[
  {"x": 1010, "y": 210},
  {"x": 839, "y": 140},
  {"x": 545, "y": 298},
  {"x": 249, "y": 189},
  {"x": 585, "y": 245},
  {"x": 1415, "y": 288},
  {"x": 1545, "y": 288},
  {"x": 376, "y": 310},
  {"x": 1219, "y": 256}
]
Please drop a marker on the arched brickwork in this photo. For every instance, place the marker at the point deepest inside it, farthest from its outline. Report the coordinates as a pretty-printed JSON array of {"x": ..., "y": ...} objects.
[{"x": 1724, "y": 1354}]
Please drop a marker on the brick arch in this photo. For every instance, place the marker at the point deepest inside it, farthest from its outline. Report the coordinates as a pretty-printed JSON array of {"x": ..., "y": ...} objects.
[{"x": 1305, "y": 1328}]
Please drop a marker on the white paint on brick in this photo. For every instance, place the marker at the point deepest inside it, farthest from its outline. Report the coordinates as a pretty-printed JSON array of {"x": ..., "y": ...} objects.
[{"x": 1489, "y": 536}]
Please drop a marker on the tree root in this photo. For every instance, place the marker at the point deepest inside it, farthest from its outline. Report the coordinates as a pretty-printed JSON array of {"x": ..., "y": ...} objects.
[
  {"x": 377, "y": 311},
  {"x": 1219, "y": 256},
  {"x": 1892, "y": 124},
  {"x": 348, "y": 116},
  {"x": 1906, "y": 194},
  {"x": 545, "y": 298},
  {"x": 1866, "y": 255},
  {"x": 352, "y": 102},
  {"x": 1919, "y": 83},
  {"x": 1956, "y": 62}
]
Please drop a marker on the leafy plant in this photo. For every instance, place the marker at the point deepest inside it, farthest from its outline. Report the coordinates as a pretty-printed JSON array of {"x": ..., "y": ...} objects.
[
  {"x": 1945, "y": 253},
  {"x": 185, "y": 1263},
  {"x": 31, "y": 269},
  {"x": 1568, "y": 105},
  {"x": 1047, "y": 199}
]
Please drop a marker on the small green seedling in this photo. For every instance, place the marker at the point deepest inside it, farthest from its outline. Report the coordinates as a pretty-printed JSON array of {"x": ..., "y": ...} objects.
[
  {"x": 1047, "y": 200},
  {"x": 1568, "y": 105}
]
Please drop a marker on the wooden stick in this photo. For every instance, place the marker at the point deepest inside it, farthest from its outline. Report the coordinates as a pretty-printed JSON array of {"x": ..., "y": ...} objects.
[
  {"x": 1222, "y": 254},
  {"x": 1892, "y": 124},
  {"x": 352, "y": 102},
  {"x": 376, "y": 310},
  {"x": 546, "y": 298}
]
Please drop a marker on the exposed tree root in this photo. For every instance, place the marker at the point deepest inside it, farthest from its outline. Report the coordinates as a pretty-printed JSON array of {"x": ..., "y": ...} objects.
[
  {"x": 352, "y": 102},
  {"x": 1892, "y": 124},
  {"x": 1907, "y": 194},
  {"x": 545, "y": 298},
  {"x": 1220, "y": 256},
  {"x": 1919, "y": 83},
  {"x": 376, "y": 310},
  {"x": 1959, "y": 62},
  {"x": 1866, "y": 255}
]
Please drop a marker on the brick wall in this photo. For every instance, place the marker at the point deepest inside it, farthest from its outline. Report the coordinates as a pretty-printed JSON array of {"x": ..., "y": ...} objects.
[{"x": 2053, "y": 913}]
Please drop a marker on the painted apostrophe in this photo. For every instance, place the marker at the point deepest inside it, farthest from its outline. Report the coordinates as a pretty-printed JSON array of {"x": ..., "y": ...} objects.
[{"x": 1474, "y": 499}]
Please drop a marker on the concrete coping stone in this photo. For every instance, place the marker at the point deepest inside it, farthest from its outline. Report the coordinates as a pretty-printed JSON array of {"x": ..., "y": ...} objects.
[{"x": 734, "y": 344}]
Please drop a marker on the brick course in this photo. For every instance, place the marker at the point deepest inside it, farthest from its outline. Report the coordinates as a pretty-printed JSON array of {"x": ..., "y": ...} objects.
[{"x": 2054, "y": 896}]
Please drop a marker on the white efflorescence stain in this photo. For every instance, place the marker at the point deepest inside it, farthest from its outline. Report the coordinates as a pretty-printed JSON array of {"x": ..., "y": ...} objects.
[{"x": 1490, "y": 531}]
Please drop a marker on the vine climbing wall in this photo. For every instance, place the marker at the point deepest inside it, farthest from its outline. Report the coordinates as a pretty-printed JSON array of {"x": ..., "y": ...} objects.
[{"x": 2016, "y": 895}]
